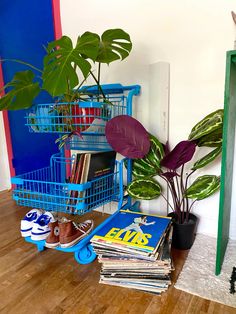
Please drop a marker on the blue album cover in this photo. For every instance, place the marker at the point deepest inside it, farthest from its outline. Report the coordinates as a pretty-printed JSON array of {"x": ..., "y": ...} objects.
[{"x": 134, "y": 230}]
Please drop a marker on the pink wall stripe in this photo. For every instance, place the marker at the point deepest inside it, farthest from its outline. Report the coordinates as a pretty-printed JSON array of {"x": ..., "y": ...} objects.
[
  {"x": 58, "y": 34},
  {"x": 57, "y": 18},
  {"x": 7, "y": 129}
]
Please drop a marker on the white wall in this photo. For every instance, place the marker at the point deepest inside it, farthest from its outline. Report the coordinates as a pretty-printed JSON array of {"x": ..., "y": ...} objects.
[
  {"x": 193, "y": 36},
  {"x": 4, "y": 168}
]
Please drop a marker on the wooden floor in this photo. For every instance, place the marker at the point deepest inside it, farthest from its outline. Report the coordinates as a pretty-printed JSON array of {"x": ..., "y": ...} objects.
[{"x": 53, "y": 282}]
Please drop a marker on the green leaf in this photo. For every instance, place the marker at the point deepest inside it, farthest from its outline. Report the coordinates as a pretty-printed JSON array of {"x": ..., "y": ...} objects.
[
  {"x": 149, "y": 165},
  {"x": 203, "y": 187},
  {"x": 213, "y": 139},
  {"x": 60, "y": 63},
  {"x": 144, "y": 189},
  {"x": 141, "y": 168},
  {"x": 207, "y": 125},
  {"x": 207, "y": 159},
  {"x": 88, "y": 45},
  {"x": 155, "y": 153},
  {"x": 22, "y": 92},
  {"x": 115, "y": 44}
]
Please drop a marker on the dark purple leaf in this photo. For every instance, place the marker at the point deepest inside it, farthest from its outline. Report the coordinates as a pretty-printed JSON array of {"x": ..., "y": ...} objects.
[
  {"x": 127, "y": 136},
  {"x": 166, "y": 148},
  {"x": 169, "y": 175},
  {"x": 182, "y": 153}
]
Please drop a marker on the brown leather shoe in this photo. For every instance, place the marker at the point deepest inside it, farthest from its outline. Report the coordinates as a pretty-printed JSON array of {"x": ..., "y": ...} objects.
[
  {"x": 71, "y": 233},
  {"x": 52, "y": 239}
]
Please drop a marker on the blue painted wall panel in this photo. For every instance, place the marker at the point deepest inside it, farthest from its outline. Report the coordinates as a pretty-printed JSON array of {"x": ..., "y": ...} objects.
[{"x": 25, "y": 27}]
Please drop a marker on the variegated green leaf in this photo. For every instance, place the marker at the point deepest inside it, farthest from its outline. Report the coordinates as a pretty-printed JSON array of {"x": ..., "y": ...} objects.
[
  {"x": 213, "y": 139},
  {"x": 141, "y": 170},
  {"x": 207, "y": 159},
  {"x": 207, "y": 125},
  {"x": 144, "y": 189},
  {"x": 203, "y": 187},
  {"x": 155, "y": 153}
]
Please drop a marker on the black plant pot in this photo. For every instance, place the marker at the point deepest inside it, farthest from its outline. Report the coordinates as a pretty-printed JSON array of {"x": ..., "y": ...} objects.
[{"x": 183, "y": 234}]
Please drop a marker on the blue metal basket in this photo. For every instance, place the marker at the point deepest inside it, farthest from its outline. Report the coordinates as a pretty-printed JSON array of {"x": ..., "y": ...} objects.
[
  {"x": 48, "y": 188},
  {"x": 89, "y": 117}
]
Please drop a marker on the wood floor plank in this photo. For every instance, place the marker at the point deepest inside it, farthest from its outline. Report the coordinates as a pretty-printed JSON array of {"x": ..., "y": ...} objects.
[{"x": 53, "y": 282}]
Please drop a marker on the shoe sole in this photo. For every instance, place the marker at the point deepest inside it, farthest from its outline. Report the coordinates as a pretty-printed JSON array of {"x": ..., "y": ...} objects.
[
  {"x": 72, "y": 243},
  {"x": 52, "y": 245},
  {"x": 39, "y": 237}
]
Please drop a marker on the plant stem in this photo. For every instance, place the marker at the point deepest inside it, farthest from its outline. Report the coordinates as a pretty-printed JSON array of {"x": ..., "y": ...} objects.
[
  {"x": 99, "y": 86},
  {"x": 186, "y": 185},
  {"x": 178, "y": 188},
  {"x": 22, "y": 62},
  {"x": 187, "y": 216},
  {"x": 167, "y": 202},
  {"x": 192, "y": 205},
  {"x": 99, "y": 72},
  {"x": 182, "y": 192},
  {"x": 173, "y": 193}
]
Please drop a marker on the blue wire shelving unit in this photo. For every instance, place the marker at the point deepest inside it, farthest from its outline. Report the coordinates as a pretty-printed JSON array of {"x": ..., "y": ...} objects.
[{"x": 49, "y": 188}]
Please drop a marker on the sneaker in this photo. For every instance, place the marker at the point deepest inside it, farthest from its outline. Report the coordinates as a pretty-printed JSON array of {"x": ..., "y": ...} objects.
[
  {"x": 28, "y": 221},
  {"x": 71, "y": 233},
  {"x": 52, "y": 240},
  {"x": 40, "y": 229}
]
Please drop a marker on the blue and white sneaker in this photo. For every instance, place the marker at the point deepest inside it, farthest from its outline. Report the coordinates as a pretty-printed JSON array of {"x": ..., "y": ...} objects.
[
  {"x": 40, "y": 229},
  {"x": 28, "y": 221}
]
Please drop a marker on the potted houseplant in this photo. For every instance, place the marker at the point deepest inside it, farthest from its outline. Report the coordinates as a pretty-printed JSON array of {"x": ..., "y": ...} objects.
[
  {"x": 64, "y": 73},
  {"x": 157, "y": 160}
]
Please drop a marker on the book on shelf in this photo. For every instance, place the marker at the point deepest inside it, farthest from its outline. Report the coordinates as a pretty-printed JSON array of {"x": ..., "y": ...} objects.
[
  {"x": 101, "y": 164},
  {"x": 92, "y": 167},
  {"x": 75, "y": 178},
  {"x": 74, "y": 168},
  {"x": 79, "y": 176},
  {"x": 101, "y": 173},
  {"x": 134, "y": 251}
]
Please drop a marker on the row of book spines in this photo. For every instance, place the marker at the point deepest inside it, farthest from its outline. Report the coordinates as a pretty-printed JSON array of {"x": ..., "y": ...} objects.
[{"x": 76, "y": 175}]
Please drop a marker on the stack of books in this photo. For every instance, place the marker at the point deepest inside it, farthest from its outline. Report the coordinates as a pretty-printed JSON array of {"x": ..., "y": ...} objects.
[{"x": 134, "y": 250}]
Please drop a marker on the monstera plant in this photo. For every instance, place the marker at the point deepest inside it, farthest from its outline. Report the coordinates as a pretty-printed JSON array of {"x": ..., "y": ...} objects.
[
  {"x": 65, "y": 70},
  {"x": 170, "y": 165},
  {"x": 63, "y": 65}
]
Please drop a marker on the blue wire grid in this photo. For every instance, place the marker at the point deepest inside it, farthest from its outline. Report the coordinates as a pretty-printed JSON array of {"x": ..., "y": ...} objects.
[
  {"x": 88, "y": 117},
  {"x": 49, "y": 188}
]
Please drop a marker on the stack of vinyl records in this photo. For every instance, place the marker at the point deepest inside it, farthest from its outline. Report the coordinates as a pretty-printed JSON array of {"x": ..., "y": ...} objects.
[{"x": 134, "y": 250}]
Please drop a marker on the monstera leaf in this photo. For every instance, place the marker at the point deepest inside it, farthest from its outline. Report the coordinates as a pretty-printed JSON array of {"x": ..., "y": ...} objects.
[
  {"x": 207, "y": 125},
  {"x": 22, "y": 92},
  {"x": 203, "y": 187},
  {"x": 207, "y": 159},
  {"x": 144, "y": 189},
  {"x": 115, "y": 44},
  {"x": 62, "y": 61}
]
